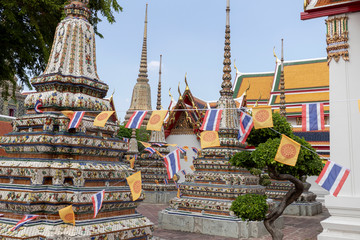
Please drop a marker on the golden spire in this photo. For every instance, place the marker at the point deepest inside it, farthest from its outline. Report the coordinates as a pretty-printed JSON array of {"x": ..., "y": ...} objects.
[
  {"x": 277, "y": 60},
  {"x": 158, "y": 103},
  {"x": 235, "y": 66},
  {"x": 187, "y": 86},
  {"x": 180, "y": 97}
]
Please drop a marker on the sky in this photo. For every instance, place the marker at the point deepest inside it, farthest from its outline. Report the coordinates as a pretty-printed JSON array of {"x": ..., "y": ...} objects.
[{"x": 190, "y": 36}]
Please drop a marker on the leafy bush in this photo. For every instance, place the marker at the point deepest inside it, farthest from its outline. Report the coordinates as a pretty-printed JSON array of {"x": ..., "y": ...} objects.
[{"x": 250, "y": 207}]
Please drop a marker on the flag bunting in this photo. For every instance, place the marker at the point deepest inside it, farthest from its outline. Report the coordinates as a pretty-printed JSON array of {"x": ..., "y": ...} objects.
[
  {"x": 246, "y": 124},
  {"x": 25, "y": 219},
  {"x": 211, "y": 120},
  {"x": 313, "y": 117},
  {"x": 97, "y": 200},
  {"x": 136, "y": 119}
]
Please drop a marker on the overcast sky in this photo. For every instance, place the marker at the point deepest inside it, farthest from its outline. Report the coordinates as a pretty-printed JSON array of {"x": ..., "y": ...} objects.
[{"x": 190, "y": 36}]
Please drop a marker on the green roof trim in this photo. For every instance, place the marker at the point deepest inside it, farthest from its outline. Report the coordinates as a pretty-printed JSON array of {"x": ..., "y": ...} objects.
[{"x": 240, "y": 79}]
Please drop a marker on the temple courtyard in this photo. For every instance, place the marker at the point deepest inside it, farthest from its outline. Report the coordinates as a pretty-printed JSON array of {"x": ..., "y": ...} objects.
[{"x": 295, "y": 227}]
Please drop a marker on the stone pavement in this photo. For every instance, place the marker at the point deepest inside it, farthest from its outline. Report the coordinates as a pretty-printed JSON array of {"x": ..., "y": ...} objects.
[{"x": 296, "y": 227}]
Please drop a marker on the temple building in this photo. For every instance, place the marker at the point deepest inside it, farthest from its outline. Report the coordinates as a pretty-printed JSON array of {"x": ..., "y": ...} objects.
[
  {"x": 50, "y": 166},
  {"x": 343, "y": 56}
]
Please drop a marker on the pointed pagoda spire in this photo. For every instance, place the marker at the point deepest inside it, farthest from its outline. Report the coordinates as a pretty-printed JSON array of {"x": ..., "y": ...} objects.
[
  {"x": 226, "y": 84},
  {"x": 141, "y": 96},
  {"x": 158, "y": 103},
  {"x": 143, "y": 76},
  {"x": 282, "y": 83}
]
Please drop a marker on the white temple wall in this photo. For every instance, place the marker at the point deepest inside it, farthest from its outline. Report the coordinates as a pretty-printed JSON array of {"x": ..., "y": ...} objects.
[{"x": 185, "y": 140}]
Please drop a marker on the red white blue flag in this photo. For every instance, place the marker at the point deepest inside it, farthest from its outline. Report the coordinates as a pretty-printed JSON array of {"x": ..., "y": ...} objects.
[
  {"x": 313, "y": 117},
  {"x": 150, "y": 150},
  {"x": 38, "y": 104},
  {"x": 246, "y": 124},
  {"x": 25, "y": 219},
  {"x": 159, "y": 144},
  {"x": 97, "y": 200},
  {"x": 182, "y": 150},
  {"x": 172, "y": 163},
  {"x": 136, "y": 119},
  {"x": 211, "y": 120},
  {"x": 332, "y": 177},
  {"x": 76, "y": 119}
]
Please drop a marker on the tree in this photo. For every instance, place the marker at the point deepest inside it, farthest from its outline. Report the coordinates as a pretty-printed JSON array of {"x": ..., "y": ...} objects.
[
  {"x": 27, "y": 29},
  {"x": 267, "y": 142},
  {"x": 141, "y": 134}
]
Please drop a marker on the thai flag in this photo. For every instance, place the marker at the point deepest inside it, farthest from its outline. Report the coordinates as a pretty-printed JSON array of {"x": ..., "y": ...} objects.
[
  {"x": 159, "y": 144},
  {"x": 25, "y": 219},
  {"x": 195, "y": 150},
  {"x": 136, "y": 119},
  {"x": 150, "y": 150},
  {"x": 172, "y": 163},
  {"x": 313, "y": 117},
  {"x": 183, "y": 172},
  {"x": 76, "y": 119},
  {"x": 182, "y": 150},
  {"x": 211, "y": 120},
  {"x": 166, "y": 181},
  {"x": 38, "y": 104},
  {"x": 246, "y": 124},
  {"x": 125, "y": 139},
  {"x": 332, "y": 177},
  {"x": 97, "y": 200}
]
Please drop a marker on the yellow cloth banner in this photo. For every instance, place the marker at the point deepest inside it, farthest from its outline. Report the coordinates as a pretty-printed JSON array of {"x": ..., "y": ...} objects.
[
  {"x": 262, "y": 117},
  {"x": 145, "y": 144},
  {"x": 288, "y": 151},
  {"x": 132, "y": 162},
  {"x": 171, "y": 144},
  {"x": 68, "y": 114},
  {"x": 67, "y": 215},
  {"x": 209, "y": 139},
  {"x": 102, "y": 118},
  {"x": 178, "y": 193},
  {"x": 134, "y": 182},
  {"x": 156, "y": 120}
]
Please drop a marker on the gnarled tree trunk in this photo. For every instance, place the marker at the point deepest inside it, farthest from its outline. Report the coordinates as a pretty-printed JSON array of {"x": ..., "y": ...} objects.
[{"x": 289, "y": 198}]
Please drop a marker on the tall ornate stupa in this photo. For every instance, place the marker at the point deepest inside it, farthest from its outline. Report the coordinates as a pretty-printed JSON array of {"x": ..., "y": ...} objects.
[
  {"x": 152, "y": 167},
  {"x": 141, "y": 97},
  {"x": 49, "y": 167},
  {"x": 208, "y": 193}
]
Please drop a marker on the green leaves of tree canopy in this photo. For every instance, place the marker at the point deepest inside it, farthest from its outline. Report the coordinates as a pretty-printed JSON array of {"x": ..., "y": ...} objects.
[{"x": 27, "y": 29}]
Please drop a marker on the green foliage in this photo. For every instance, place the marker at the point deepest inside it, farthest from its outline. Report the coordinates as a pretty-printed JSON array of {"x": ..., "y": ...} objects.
[
  {"x": 27, "y": 29},
  {"x": 250, "y": 207},
  {"x": 258, "y": 136},
  {"x": 141, "y": 134}
]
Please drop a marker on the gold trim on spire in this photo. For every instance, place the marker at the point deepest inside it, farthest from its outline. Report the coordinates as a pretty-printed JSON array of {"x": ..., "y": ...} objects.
[
  {"x": 180, "y": 97},
  {"x": 187, "y": 85}
]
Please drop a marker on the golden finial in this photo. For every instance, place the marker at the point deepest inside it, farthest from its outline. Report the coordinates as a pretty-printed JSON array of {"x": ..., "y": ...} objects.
[
  {"x": 172, "y": 99},
  {"x": 187, "y": 86},
  {"x": 256, "y": 103},
  {"x": 277, "y": 60},
  {"x": 245, "y": 93},
  {"x": 180, "y": 97},
  {"x": 235, "y": 66}
]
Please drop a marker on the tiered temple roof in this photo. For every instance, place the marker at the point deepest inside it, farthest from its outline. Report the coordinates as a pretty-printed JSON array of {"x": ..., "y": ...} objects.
[{"x": 49, "y": 167}]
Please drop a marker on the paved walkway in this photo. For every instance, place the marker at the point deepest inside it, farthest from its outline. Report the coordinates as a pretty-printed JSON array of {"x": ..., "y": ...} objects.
[{"x": 296, "y": 227}]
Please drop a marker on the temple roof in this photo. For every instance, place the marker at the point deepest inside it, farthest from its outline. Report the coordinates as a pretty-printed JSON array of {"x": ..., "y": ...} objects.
[
  {"x": 322, "y": 8},
  {"x": 306, "y": 81}
]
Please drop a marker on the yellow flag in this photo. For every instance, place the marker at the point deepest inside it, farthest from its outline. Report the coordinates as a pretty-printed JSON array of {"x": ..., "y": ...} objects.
[
  {"x": 192, "y": 167},
  {"x": 209, "y": 139},
  {"x": 145, "y": 144},
  {"x": 156, "y": 120},
  {"x": 171, "y": 144},
  {"x": 68, "y": 114},
  {"x": 67, "y": 214},
  {"x": 134, "y": 182},
  {"x": 157, "y": 182},
  {"x": 178, "y": 193},
  {"x": 288, "y": 151},
  {"x": 262, "y": 117},
  {"x": 102, "y": 118},
  {"x": 359, "y": 105},
  {"x": 132, "y": 162},
  {"x": 158, "y": 153}
]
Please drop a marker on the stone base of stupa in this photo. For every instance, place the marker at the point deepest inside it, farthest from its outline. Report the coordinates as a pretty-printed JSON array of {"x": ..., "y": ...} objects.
[
  {"x": 217, "y": 225},
  {"x": 162, "y": 197},
  {"x": 303, "y": 209},
  {"x": 119, "y": 227}
]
